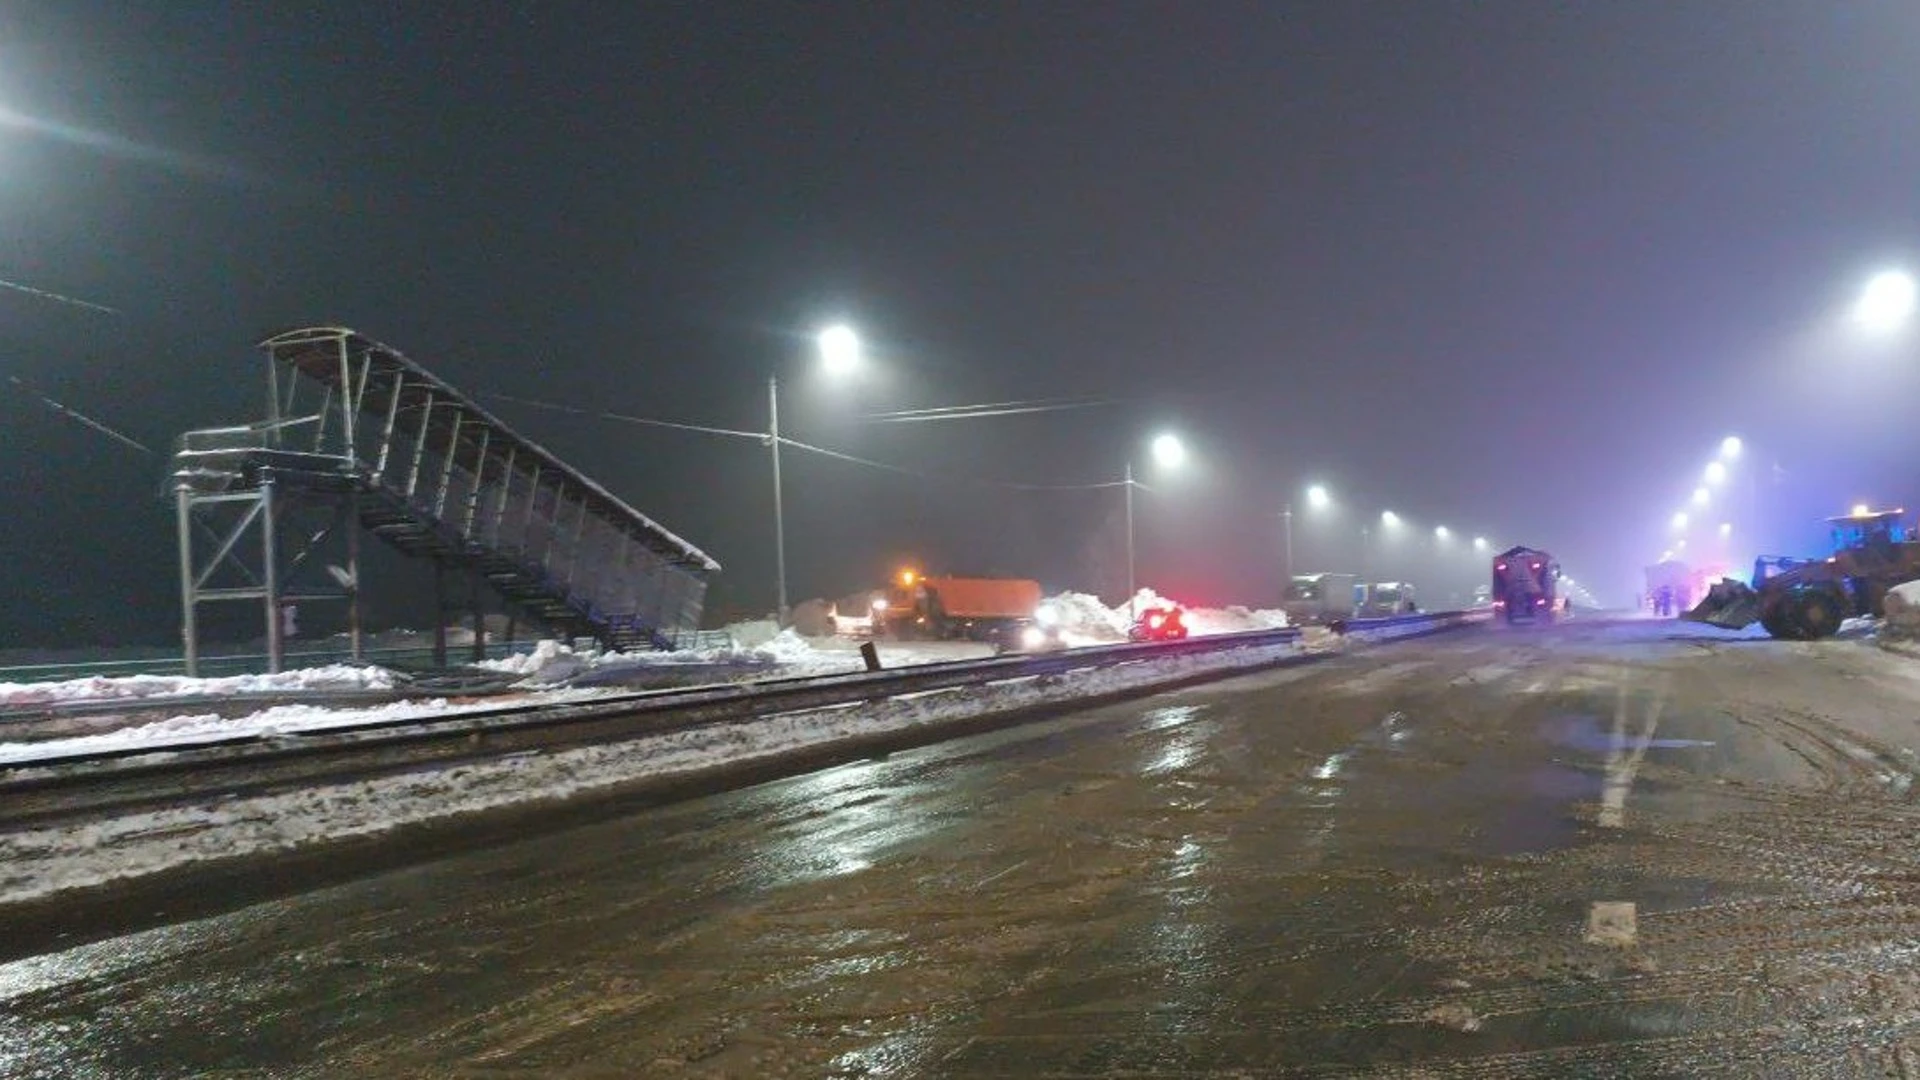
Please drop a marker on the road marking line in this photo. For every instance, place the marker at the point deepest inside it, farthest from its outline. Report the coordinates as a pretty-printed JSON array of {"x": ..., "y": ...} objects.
[{"x": 1622, "y": 767}]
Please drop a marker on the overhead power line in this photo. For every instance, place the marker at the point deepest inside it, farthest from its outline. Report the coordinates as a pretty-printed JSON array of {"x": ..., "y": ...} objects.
[
  {"x": 75, "y": 414},
  {"x": 838, "y": 455},
  {"x": 58, "y": 298}
]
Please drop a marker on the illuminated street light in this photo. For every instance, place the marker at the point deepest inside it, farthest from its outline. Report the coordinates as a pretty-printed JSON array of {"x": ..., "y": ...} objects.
[
  {"x": 840, "y": 352},
  {"x": 1317, "y": 499},
  {"x": 1390, "y": 519},
  {"x": 1726, "y": 529},
  {"x": 1701, "y": 496},
  {"x": 840, "y": 355},
  {"x": 1168, "y": 451},
  {"x": 1716, "y": 473},
  {"x": 1730, "y": 448},
  {"x": 1479, "y": 543},
  {"x": 1887, "y": 303},
  {"x": 1667, "y": 555},
  {"x": 1440, "y": 532},
  {"x": 1679, "y": 519}
]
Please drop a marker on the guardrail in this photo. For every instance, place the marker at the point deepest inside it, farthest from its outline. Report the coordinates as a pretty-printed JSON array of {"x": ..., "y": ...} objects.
[
  {"x": 1393, "y": 627},
  {"x": 147, "y": 777}
]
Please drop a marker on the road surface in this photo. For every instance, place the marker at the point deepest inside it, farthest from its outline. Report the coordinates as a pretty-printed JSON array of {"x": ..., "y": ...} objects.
[{"x": 1625, "y": 849}]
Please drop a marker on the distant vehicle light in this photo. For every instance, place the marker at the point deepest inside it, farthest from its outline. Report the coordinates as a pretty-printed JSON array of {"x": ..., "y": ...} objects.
[
  {"x": 1033, "y": 637},
  {"x": 907, "y": 578},
  {"x": 879, "y": 603},
  {"x": 1499, "y": 566},
  {"x": 1861, "y": 510},
  {"x": 1540, "y": 601},
  {"x": 1536, "y": 566},
  {"x": 1156, "y": 619},
  {"x": 1045, "y": 615}
]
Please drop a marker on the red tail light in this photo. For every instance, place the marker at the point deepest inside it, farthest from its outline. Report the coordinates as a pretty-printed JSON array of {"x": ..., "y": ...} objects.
[
  {"x": 1536, "y": 566},
  {"x": 1500, "y": 566}
]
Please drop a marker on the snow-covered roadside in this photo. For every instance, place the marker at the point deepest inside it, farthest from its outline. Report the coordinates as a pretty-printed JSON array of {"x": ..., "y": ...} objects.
[
  {"x": 143, "y": 687},
  {"x": 197, "y": 728},
  {"x": 38, "y": 863}
]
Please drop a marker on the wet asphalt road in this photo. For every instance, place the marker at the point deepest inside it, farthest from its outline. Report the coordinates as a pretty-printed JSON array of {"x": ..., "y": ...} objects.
[{"x": 1598, "y": 850}]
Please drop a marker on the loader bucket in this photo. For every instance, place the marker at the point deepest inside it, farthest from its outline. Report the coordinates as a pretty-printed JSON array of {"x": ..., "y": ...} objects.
[{"x": 1729, "y": 605}]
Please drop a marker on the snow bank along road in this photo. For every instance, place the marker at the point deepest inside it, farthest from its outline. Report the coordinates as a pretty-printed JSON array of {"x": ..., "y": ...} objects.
[
  {"x": 1620, "y": 850},
  {"x": 74, "y": 814}
]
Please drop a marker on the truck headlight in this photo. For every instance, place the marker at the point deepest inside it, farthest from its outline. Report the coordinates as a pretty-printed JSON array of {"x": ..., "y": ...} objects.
[{"x": 1033, "y": 637}]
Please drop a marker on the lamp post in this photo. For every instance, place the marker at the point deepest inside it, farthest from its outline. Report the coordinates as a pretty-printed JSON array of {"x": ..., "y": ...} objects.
[
  {"x": 1317, "y": 499},
  {"x": 1168, "y": 452},
  {"x": 840, "y": 354}
]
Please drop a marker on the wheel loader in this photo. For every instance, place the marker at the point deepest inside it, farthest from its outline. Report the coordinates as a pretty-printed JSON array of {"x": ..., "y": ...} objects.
[{"x": 1804, "y": 599}]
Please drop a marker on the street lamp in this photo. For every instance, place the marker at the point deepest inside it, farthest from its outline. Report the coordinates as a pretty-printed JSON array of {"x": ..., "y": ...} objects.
[
  {"x": 1716, "y": 473},
  {"x": 1318, "y": 498},
  {"x": 840, "y": 355},
  {"x": 1726, "y": 529},
  {"x": 1440, "y": 532},
  {"x": 1479, "y": 543},
  {"x": 1701, "y": 496},
  {"x": 1168, "y": 453},
  {"x": 840, "y": 351},
  {"x": 1730, "y": 448},
  {"x": 1679, "y": 519},
  {"x": 1887, "y": 302},
  {"x": 1389, "y": 519}
]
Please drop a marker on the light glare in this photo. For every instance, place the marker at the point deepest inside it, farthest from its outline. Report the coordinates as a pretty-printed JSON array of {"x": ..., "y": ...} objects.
[
  {"x": 1887, "y": 302},
  {"x": 1169, "y": 451},
  {"x": 1318, "y": 498},
  {"x": 839, "y": 349},
  {"x": 1730, "y": 447},
  {"x": 1716, "y": 473}
]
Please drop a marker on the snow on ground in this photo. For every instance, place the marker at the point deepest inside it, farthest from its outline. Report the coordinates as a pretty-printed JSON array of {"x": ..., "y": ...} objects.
[
  {"x": 1902, "y": 621},
  {"x": 36, "y": 863},
  {"x": 1084, "y": 620},
  {"x": 757, "y": 649},
  {"x": 195, "y": 729},
  {"x": 136, "y": 687}
]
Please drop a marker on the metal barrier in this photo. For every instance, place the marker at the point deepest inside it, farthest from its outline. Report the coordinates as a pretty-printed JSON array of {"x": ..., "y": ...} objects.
[{"x": 1394, "y": 627}]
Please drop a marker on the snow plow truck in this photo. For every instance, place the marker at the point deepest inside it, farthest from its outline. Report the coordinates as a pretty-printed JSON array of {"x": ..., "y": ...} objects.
[
  {"x": 1802, "y": 599},
  {"x": 1523, "y": 585}
]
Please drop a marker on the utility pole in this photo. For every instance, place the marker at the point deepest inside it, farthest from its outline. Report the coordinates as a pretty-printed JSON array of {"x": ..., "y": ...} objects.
[
  {"x": 779, "y": 508},
  {"x": 1131, "y": 590},
  {"x": 1287, "y": 571}
]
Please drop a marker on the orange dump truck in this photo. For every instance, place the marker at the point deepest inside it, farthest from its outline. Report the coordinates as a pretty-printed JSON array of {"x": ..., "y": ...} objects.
[{"x": 970, "y": 609}]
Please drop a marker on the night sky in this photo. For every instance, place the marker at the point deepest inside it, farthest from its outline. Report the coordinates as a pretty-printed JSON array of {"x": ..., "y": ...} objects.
[{"x": 1510, "y": 267}]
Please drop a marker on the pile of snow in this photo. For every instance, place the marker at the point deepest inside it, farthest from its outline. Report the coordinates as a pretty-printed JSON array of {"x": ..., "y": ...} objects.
[
  {"x": 552, "y": 663},
  {"x": 1084, "y": 620},
  {"x": 1233, "y": 620},
  {"x": 177, "y": 731},
  {"x": 1902, "y": 621},
  {"x": 137, "y": 687}
]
